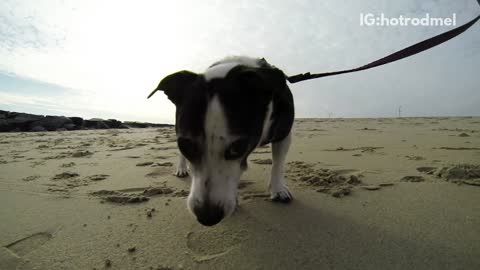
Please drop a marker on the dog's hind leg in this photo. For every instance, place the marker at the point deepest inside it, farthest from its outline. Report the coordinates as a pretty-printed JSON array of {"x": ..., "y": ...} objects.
[
  {"x": 278, "y": 188},
  {"x": 181, "y": 166}
]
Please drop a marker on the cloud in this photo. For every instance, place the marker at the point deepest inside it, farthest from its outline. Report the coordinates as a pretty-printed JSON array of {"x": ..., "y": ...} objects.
[{"x": 114, "y": 52}]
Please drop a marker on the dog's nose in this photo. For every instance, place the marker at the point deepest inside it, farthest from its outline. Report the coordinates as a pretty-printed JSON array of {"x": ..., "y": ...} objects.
[{"x": 209, "y": 214}]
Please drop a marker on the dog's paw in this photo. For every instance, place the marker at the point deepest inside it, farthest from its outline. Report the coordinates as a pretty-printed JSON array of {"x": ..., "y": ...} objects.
[
  {"x": 181, "y": 172},
  {"x": 282, "y": 195}
]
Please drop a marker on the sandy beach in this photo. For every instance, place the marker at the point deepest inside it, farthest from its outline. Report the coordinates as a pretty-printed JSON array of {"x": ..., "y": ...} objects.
[{"x": 386, "y": 193}]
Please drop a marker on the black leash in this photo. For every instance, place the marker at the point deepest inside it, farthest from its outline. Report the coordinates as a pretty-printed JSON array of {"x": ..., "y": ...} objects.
[{"x": 414, "y": 49}]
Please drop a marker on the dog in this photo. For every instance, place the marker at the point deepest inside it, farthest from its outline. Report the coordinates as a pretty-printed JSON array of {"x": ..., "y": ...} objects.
[{"x": 222, "y": 115}]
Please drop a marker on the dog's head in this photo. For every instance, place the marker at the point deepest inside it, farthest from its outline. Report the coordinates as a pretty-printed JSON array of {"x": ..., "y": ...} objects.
[{"x": 221, "y": 116}]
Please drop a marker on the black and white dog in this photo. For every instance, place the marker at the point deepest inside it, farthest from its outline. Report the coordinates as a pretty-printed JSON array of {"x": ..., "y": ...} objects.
[{"x": 222, "y": 115}]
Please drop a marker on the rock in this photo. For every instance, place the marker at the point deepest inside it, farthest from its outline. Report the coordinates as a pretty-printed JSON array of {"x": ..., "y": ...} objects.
[
  {"x": 3, "y": 114},
  {"x": 70, "y": 126},
  {"x": 77, "y": 121},
  {"x": 131, "y": 124},
  {"x": 135, "y": 124},
  {"x": 25, "y": 117},
  {"x": 38, "y": 129},
  {"x": 4, "y": 126},
  {"x": 52, "y": 123},
  {"x": 113, "y": 123},
  {"x": 95, "y": 123},
  {"x": 102, "y": 125},
  {"x": 18, "y": 121}
]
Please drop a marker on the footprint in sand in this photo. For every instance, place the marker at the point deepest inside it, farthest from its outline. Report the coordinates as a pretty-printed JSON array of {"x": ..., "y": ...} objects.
[
  {"x": 68, "y": 165},
  {"x": 162, "y": 164},
  {"x": 207, "y": 244},
  {"x": 244, "y": 184},
  {"x": 427, "y": 170},
  {"x": 28, "y": 244},
  {"x": 338, "y": 183},
  {"x": 416, "y": 158},
  {"x": 98, "y": 177},
  {"x": 8, "y": 259},
  {"x": 262, "y": 161},
  {"x": 31, "y": 178},
  {"x": 65, "y": 175},
  {"x": 143, "y": 164},
  {"x": 159, "y": 172},
  {"x": 461, "y": 174},
  {"x": 255, "y": 195},
  {"x": 137, "y": 195},
  {"x": 262, "y": 152},
  {"x": 458, "y": 148}
]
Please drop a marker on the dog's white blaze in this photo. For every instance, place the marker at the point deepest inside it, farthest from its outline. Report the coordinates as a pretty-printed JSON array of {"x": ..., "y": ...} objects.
[
  {"x": 222, "y": 175},
  {"x": 221, "y": 68}
]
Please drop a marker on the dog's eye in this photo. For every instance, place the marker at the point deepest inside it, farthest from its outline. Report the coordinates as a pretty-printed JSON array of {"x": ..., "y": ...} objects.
[
  {"x": 189, "y": 148},
  {"x": 236, "y": 149}
]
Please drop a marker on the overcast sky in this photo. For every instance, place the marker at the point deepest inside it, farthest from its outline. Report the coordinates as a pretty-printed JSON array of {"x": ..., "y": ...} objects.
[{"x": 102, "y": 58}]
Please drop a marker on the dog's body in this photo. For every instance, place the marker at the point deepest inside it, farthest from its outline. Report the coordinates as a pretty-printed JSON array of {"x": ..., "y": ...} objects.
[{"x": 222, "y": 115}]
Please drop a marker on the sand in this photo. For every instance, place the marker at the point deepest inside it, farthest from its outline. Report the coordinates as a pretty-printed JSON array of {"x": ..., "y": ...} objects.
[{"x": 368, "y": 194}]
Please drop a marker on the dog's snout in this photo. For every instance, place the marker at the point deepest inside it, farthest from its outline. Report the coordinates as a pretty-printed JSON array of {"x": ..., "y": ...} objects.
[{"x": 209, "y": 214}]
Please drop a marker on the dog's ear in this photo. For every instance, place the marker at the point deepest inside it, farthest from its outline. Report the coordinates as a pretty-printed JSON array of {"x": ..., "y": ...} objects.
[
  {"x": 274, "y": 77},
  {"x": 174, "y": 85},
  {"x": 267, "y": 79}
]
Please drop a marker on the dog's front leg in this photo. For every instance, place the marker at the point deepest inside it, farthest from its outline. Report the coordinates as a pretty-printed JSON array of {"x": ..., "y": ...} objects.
[
  {"x": 278, "y": 188},
  {"x": 181, "y": 166}
]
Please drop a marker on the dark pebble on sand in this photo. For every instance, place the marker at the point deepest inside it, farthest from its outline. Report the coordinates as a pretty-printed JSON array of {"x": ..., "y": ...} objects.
[{"x": 412, "y": 178}]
